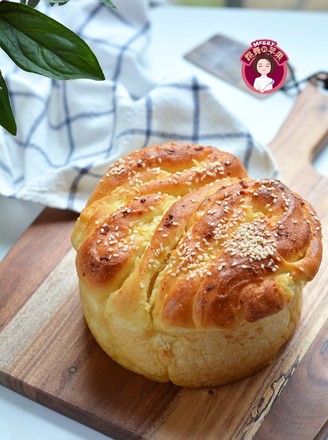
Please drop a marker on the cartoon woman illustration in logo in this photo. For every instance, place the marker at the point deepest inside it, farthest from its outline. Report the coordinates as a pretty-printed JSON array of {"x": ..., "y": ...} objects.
[
  {"x": 263, "y": 64},
  {"x": 264, "y": 67}
]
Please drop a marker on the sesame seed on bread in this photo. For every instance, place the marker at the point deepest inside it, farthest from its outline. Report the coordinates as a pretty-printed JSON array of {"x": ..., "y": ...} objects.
[{"x": 189, "y": 270}]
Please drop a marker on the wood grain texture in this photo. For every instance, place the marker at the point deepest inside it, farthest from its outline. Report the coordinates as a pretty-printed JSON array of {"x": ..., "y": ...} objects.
[
  {"x": 302, "y": 409},
  {"x": 48, "y": 354},
  {"x": 38, "y": 251}
]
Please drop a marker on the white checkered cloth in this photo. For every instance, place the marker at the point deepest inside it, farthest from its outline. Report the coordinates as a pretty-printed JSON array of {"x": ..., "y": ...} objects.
[{"x": 70, "y": 131}]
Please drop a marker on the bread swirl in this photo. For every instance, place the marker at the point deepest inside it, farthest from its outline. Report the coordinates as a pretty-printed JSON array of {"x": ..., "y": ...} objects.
[{"x": 190, "y": 271}]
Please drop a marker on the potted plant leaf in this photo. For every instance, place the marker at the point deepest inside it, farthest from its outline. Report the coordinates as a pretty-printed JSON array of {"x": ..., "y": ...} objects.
[{"x": 39, "y": 44}]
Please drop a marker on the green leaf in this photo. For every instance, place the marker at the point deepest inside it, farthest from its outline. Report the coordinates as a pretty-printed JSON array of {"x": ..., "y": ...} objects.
[
  {"x": 39, "y": 44},
  {"x": 57, "y": 2},
  {"x": 33, "y": 3},
  {"x": 7, "y": 119},
  {"x": 108, "y": 3}
]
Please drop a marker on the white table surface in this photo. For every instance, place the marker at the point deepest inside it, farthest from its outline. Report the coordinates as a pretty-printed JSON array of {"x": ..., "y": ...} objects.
[{"x": 175, "y": 31}]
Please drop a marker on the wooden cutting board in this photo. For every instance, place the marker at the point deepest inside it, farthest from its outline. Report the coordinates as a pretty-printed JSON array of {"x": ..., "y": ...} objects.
[{"x": 48, "y": 354}]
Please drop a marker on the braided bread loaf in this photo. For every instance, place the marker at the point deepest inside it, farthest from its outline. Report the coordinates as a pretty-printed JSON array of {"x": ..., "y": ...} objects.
[{"x": 190, "y": 271}]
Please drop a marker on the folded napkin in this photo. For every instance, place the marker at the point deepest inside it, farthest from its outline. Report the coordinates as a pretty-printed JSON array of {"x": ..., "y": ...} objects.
[{"x": 70, "y": 131}]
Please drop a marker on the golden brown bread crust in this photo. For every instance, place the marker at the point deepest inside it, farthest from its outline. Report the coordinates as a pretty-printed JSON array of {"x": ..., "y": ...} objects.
[{"x": 177, "y": 247}]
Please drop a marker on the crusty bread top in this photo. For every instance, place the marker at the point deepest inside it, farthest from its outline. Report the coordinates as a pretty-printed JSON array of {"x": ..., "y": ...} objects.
[{"x": 180, "y": 232}]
